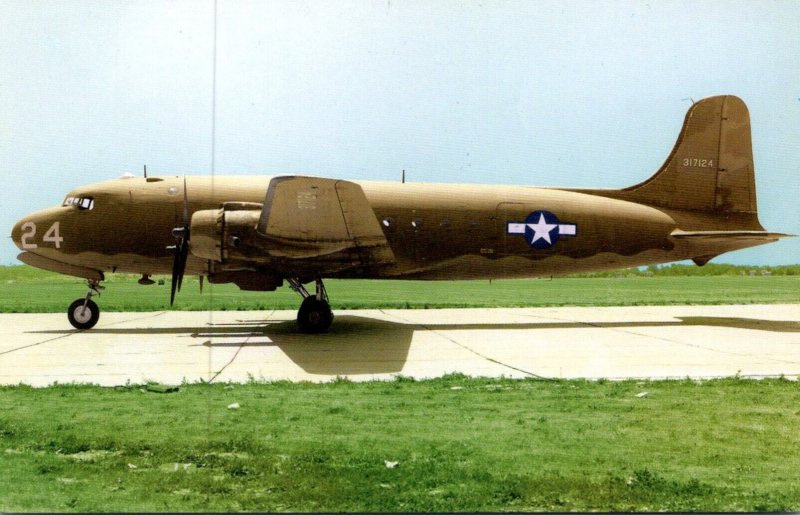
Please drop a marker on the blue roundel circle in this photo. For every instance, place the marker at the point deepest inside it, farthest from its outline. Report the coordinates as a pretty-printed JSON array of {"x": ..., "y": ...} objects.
[{"x": 541, "y": 229}]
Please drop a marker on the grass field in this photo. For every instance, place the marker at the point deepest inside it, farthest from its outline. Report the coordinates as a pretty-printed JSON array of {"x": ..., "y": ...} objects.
[
  {"x": 459, "y": 445},
  {"x": 27, "y": 290}
]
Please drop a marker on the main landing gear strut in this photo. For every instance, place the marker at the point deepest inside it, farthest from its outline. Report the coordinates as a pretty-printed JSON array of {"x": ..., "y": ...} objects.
[
  {"x": 314, "y": 315},
  {"x": 84, "y": 313}
]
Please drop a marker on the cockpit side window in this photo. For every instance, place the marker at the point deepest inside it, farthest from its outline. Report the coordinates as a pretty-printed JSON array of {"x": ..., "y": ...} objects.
[{"x": 85, "y": 203}]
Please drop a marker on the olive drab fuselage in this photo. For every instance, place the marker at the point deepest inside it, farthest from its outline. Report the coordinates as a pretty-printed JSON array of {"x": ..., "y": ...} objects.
[
  {"x": 434, "y": 231},
  {"x": 259, "y": 231}
]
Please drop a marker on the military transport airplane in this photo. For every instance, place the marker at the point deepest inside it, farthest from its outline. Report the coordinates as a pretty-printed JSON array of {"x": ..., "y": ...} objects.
[{"x": 259, "y": 232}]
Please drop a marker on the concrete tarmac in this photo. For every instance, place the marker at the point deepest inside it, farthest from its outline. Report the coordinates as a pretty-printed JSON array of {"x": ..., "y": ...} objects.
[{"x": 610, "y": 342}]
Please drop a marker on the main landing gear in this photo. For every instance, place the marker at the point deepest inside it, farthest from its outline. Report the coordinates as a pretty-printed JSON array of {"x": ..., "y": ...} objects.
[
  {"x": 314, "y": 315},
  {"x": 84, "y": 313}
]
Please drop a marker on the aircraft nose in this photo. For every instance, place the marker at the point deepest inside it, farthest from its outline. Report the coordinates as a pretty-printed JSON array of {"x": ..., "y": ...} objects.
[
  {"x": 17, "y": 231},
  {"x": 37, "y": 229}
]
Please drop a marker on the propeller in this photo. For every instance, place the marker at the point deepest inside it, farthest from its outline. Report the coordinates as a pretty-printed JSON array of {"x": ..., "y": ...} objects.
[{"x": 181, "y": 250}]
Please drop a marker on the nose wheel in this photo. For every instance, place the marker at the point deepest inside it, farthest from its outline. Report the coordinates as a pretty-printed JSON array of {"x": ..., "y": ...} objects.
[
  {"x": 84, "y": 313},
  {"x": 315, "y": 315}
]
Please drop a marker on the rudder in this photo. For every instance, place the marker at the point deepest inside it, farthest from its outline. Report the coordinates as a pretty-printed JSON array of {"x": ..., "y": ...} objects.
[{"x": 711, "y": 166}]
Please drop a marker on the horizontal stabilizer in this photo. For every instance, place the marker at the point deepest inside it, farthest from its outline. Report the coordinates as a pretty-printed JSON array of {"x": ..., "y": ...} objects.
[
  {"x": 760, "y": 236},
  {"x": 709, "y": 244}
]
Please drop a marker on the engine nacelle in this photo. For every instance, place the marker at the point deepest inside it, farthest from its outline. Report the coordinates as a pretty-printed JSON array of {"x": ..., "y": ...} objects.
[{"x": 218, "y": 234}]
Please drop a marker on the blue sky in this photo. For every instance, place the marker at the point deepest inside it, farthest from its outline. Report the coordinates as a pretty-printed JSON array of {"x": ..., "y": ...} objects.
[{"x": 534, "y": 93}]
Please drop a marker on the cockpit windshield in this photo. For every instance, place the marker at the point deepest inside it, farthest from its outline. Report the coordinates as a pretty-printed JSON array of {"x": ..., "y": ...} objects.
[{"x": 80, "y": 202}]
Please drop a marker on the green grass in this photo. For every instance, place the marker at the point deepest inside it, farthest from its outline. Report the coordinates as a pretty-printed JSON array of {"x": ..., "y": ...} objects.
[
  {"x": 492, "y": 445},
  {"x": 485, "y": 445},
  {"x": 23, "y": 289}
]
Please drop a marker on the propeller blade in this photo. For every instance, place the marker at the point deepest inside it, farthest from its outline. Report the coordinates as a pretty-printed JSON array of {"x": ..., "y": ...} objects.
[
  {"x": 175, "y": 268},
  {"x": 181, "y": 249},
  {"x": 185, "y": 206},
  {"x": 184, "y": 254},
  {"x": 184, "y": 246}
]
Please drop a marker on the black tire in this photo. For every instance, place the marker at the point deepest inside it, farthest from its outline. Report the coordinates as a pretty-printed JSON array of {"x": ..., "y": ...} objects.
[
  {"x": 314, "y": 316},
  {"x": 80, "y": 318}
]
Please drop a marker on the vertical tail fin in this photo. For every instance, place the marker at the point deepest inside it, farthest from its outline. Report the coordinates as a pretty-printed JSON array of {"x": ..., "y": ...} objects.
[
  {"x": 710, "y": 168},
  {"x": 707, "y": 183}
]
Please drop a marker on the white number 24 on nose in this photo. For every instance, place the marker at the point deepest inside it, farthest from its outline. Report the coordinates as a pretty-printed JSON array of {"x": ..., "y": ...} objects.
[{"x": 51, "y": 236}]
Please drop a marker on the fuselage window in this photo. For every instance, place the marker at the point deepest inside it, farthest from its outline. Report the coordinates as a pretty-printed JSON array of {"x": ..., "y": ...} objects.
[{"x": 388, "y": 225}]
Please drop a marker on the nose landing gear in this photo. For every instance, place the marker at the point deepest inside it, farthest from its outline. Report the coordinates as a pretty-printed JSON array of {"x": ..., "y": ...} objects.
[
  {"x": 315, "y": 315},
  {"x": 84, "y": 313}
]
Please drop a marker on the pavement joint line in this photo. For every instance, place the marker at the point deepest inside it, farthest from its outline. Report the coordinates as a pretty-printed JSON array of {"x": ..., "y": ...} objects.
[
  {"x": 469, "y": 349},
  {"x": 600, "y": 325},
  {"x": 697, "y": 346},
  {"x": 252, "y": 320},
  {"x": 73, "y": 333},
  {"x": 9, "y": 351},
  {"x": 153, "y": 315}
]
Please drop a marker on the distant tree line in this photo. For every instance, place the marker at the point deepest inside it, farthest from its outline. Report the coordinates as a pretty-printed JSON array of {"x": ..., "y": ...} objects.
[{"x": 711, "y": 269}]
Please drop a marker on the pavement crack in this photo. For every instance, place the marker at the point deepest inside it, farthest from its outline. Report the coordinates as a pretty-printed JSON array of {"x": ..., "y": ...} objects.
[
  {"x": 235, "y": 355},
  {"x": 483, "y": 356},
  {"x": 467, "y": 348}
]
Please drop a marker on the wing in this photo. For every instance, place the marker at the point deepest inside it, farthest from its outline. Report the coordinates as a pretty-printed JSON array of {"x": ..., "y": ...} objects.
[
  {"x": 310, "y": 216},
  {"x": 307, "y": 226}
]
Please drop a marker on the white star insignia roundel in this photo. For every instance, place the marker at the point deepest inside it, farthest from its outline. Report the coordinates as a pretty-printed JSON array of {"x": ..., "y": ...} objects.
[{"x": 542, "y": 229}]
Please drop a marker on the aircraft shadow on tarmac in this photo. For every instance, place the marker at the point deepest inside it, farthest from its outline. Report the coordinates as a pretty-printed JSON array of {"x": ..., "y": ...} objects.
[
  {"x": 353, "y": 345},
  {"x": 363, "y": 345}
]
